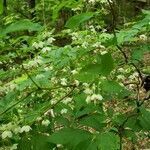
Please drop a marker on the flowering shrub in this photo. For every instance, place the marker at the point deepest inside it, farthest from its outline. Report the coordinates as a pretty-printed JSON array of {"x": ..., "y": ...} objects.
[{"x": 87, "y": 94}]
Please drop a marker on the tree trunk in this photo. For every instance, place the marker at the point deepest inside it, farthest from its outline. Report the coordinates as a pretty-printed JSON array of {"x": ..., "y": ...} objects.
[
  {"x": 32, "y": 4},
  {"x": 5, "y": 7}
]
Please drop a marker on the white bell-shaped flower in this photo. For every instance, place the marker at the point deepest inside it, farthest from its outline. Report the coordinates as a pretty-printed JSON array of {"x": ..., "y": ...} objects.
[
  {"x": 25, "y": 129},
  {"x": 6, "y": 134}
]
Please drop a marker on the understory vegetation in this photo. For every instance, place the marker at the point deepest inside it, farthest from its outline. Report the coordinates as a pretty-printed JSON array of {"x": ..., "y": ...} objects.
[{"x": 74, "y": 75}]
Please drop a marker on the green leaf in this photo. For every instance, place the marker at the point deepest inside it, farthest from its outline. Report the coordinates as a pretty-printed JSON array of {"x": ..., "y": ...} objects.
[
  {"x": 146, "y": 12},
  {"x": 119, "y": 119},
  {"x": 62, "y": 121},
  {"x": 85, "y": 110},
  {"x": 138, "y": 54},
  {"x": 76, "y": 20},
  {"x": 145, "y": 118},
  {"x": 89, "y": 73},
  {"x": 103, "y": 141},
  {"x": 95, "y": 121},
  {"x": 103, "y": 67},
  {"x": 36, "y": 142},
  {"x": 86, "y": 145},
  {"x": 1, "y": 7},
  {"x": 128, "y": 35},
  {"x": 108, "y": 141},
  {"x": 24, "y": 143},
  {"x": 8, "y": 100},
  {"x": 22, "y": 25},
  {"x": 69, "y": 136},
  {"x": 107, "y": 64},
  {"x": 41, "y": 142},
  {"x": 130, "y": 135},
  {"x": 133, "y": 124},
  {"x": 114, "y": 89}
]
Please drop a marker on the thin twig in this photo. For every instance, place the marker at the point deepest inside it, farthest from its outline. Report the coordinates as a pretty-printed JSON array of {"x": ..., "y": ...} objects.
[
  {"x": 113, "y": 29},
  {"x": 138, "y": 71},
  {"x": 63, "y": 98},
  {"x": 123, "y": 53},
  {"x": 18, "y": 102},
  {"x": 52, "y": 106},
  {"x": 121, "y": 129},
  {"x": 145, "y": 99},
  {"x": 120, "y": 142},
  {"x": 26, "y": 71},
  {"x": 130, "y": 116},
  {"x": 138, "y": 99}
]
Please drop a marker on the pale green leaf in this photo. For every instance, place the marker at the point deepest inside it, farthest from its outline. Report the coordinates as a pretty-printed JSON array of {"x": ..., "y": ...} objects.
[
  {"x": 21, "y": 26},
  {"x": 76, "y": 20}
]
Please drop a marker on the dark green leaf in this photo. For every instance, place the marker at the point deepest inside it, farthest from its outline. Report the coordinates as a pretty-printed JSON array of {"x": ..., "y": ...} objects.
[
  {"x": 95, "y": 121},
  {"x": 145, "y": 118},
  {"x": 114, "y": 89},
  {"x": 107, "y": 64},
  {"x": 69, "y": 136},
  {"x": 89, "y": 73},
  {"x": 35, "y": 142},
  {"x": 108, "y": 141},
  {"x": 88, "y": 145}
]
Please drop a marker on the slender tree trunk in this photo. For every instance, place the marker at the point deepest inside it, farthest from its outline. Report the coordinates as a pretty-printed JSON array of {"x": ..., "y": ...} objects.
[
  {"x": 64, "y": 15},
  {"x": 32, "y": 4},
  {"x": 5, "y": 7},
  {"x": 148, "y": 3}
]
